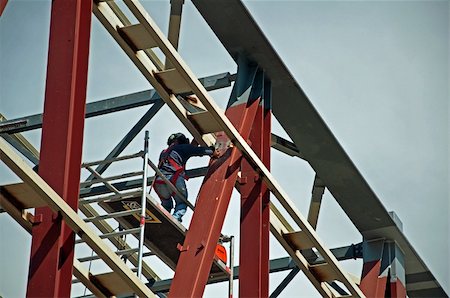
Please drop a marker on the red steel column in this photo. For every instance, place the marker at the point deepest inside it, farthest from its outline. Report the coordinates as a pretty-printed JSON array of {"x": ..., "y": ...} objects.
[
  {"x": 52, "y": 251},
  {"x": 198, "y": 250},
  {"x": 254, "y": 235},
  {"x": 383, "y": 270},
  {"x": 374, "y": 275},
  {"x": 265, "y": 212},
  {"x": 3, "y": 5}
]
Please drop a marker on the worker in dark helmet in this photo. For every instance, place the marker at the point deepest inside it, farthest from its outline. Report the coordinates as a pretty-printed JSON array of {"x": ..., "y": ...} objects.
[{"x": 172, "y": 162}]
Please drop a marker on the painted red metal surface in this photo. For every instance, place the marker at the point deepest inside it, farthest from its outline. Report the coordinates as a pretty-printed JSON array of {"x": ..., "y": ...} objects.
[
  {"x": 197, "y": 252},
  {"x": 373, "y": 285},
  {"x": 265, "y": 217},
  {"x": 383, "y": 270},
  {"x": 3, "y": 5},
  {"x": 254, "y": 234},
  {"x": 398, "y": 289},
  {"x": 50, "y": 273}
]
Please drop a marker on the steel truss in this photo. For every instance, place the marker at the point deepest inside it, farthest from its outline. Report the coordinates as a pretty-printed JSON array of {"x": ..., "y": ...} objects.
[
  {"x": 246, "y": 118},
  {"x": 186, "y": 81},
  {"x": 103, "y": 10}
]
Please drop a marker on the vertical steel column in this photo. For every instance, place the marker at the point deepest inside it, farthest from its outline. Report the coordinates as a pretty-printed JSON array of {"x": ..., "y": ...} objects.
[
  {"x": 374, "y": 274},
  {"x": 397, "y": 275},
  {"x": 254, "y": 240},
  {"x": 176, "y": 8},
  {"x": 52, "y": 251},
  {"x": 265, "y": 213},
  {"x": 197, "y": 252},
  {"x": 231, "y": 280},
  {"x": 383, "y": 269}
]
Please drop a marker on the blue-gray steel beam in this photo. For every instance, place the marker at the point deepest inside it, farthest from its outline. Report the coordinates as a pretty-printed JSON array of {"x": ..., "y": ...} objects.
[
  {"x": 126, "y": 140},
  {"x": 275, "y": 265},
  {"x": 285, "y": 282},
  {"x": 176, "y": 9},
  {"x": 115, "y": 104}
]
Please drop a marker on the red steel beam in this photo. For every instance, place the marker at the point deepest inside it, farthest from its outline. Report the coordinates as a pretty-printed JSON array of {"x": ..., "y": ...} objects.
[
  {"x": 3, "y": 5},
  {"x": 52, "y": 249},
  {"x": 375, "y": 273},
  {"x": 197, "y": 252},
  {"x": 255, "y": 211},
  {"x": 398, "y": 289},
  {"x": 372, "y": 284},
  {"x": 265, "y": 212}
]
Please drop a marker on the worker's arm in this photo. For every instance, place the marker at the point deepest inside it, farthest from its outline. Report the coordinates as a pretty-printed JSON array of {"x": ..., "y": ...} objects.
[
  {"x": 187, "y": 150},
  {"x": 200, "y": 151}
]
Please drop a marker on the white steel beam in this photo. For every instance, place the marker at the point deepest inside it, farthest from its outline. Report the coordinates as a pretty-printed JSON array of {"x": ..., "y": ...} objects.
[
  {"x": 278, "y": 227},
  {"x": 84, "y": 276},
  {"x": 72, "y": 219},
  {"x": 112, "y": 23}
]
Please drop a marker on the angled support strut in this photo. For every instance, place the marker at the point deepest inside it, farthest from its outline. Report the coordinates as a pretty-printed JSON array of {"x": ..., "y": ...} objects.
[{"x": 199, "y": 246}]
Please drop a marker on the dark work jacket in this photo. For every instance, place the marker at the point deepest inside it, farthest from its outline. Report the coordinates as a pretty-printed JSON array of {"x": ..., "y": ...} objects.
[{"x": 180, "y": 153}]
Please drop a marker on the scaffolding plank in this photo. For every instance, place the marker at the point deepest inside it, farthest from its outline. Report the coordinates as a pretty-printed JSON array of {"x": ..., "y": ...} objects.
[{"x": 162, "y": 232}]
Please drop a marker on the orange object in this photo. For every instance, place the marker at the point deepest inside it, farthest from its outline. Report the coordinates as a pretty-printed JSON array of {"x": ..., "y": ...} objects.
[{"x": 221, "y": 253}]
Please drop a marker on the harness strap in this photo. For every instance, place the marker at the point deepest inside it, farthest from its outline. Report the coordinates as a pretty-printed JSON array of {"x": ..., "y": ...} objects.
[{"x": 178, "y": 169}]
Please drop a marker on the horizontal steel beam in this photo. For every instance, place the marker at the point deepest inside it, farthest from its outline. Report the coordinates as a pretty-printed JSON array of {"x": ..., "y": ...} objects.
[
  {"x": 124, "y": 252},
  {"x": 275, "y": 265},
  {"x": 114, "y": 104},
  {"x": 113, "y": 215}
]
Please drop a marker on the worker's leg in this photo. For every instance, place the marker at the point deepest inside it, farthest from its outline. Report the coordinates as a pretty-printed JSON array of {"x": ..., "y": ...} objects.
[
  {"x": 180, "y": 205},
  {"x": 164, "y": 193}
]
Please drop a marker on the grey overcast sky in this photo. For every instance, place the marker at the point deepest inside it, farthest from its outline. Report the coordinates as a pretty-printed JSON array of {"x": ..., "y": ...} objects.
[{"x": 377, "y": 72}]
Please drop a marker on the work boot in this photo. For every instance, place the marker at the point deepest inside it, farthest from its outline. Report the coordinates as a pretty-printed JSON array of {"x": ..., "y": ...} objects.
[{"x": 178, "y": 218}]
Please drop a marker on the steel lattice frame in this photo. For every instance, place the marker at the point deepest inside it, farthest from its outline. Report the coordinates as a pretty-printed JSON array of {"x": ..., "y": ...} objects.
[{"x": 170, "y": 79}]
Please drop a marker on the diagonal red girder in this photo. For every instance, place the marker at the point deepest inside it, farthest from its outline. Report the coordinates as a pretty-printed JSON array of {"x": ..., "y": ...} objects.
[
  {"x": 3, "y": 5},
  {"x": 197, "y": 252}
]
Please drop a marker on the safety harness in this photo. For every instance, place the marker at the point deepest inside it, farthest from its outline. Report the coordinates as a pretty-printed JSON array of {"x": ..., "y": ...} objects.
[{"x": 179, "y": 169}]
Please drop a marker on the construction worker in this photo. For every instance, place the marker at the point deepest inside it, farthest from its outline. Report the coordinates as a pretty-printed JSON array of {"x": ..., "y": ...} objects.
[{"x": 172, "y": 162}]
